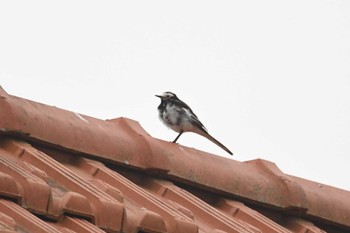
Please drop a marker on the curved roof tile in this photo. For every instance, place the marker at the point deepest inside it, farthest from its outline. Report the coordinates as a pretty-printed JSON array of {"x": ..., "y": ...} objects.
[{"x": 87, "y": 174}]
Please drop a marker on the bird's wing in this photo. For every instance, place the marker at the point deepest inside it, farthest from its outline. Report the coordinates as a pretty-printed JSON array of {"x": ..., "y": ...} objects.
[
  {"x": 198, "y": 123},
  {"x": 184, "y": 108},
  {"x": 182, "y": 105}
]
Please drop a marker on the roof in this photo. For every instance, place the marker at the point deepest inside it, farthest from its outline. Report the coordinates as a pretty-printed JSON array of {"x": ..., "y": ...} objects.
[{"x": 62, "y": 171}]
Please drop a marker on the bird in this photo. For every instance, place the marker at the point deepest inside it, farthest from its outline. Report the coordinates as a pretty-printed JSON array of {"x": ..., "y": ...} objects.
[{"x": 178, "y": 116}]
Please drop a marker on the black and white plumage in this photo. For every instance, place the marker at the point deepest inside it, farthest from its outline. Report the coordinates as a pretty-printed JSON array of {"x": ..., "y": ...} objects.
[{"x": 177, "y": 115}]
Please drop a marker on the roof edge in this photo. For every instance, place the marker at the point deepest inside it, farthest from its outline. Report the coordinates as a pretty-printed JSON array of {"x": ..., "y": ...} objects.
[{"x": 125, "y": 142}]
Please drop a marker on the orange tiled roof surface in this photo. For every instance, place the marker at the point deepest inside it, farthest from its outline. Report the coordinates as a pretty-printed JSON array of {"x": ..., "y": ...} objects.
[{"x": 61, "y": 171}]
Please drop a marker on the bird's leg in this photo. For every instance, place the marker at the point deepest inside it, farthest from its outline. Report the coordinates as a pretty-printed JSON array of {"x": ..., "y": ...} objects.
[{"x": 178, "y": 136}]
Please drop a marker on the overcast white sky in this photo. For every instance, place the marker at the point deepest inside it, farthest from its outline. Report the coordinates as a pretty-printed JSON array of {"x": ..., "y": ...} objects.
[{"x": 269, "y": 79}]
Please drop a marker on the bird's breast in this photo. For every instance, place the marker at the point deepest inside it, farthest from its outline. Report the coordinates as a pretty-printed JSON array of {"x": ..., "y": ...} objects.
[
  {"x": 175, "y": 118},
  {"x": 170, "y": 115}
]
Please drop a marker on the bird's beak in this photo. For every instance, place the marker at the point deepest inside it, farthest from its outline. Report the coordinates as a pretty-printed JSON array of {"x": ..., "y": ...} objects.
[{"x": 159, "y": 96}]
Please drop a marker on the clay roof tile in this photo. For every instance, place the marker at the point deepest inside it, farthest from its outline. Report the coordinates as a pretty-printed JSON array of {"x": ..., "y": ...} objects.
[{"x": 62, "y": 171}]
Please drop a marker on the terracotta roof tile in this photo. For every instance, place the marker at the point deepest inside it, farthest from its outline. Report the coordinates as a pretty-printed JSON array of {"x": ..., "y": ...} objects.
[
  {"x": 16, "y": 218},
  {"x": 67, "y": 172},
  {"x": 245, "y": 214},
  {"x": 207, "y": 215},
  {"x": 75, "y": 224},
  {"x": 300, "y": 225},
  {"x": 57, "y": 188}
]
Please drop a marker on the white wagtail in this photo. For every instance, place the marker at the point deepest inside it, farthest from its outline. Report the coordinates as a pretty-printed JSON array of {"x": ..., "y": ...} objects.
[{"x": 177, "y": 115}]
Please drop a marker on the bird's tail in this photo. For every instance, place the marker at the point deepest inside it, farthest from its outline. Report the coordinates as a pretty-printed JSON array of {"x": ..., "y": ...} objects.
[{"x": 211, "y": 138}]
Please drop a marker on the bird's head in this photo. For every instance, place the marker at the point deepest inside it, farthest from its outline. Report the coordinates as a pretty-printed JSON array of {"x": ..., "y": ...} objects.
[{"x": 167, "y": 95}]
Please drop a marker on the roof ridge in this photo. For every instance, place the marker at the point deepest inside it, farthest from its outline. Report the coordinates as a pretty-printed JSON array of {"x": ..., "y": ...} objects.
[{"x": 124, "y": 142}]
